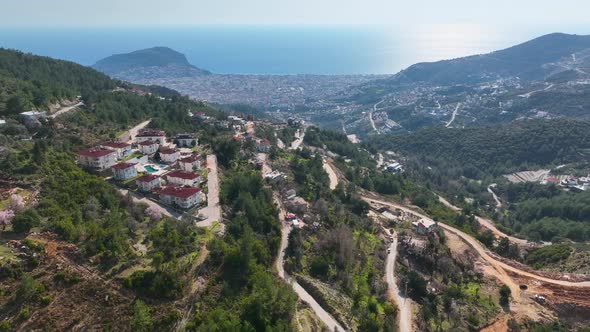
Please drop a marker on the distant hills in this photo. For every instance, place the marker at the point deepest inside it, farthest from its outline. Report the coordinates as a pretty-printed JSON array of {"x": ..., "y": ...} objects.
[
  {"x": 150, "y": 63},
  {"x": 540, "y": 58}
]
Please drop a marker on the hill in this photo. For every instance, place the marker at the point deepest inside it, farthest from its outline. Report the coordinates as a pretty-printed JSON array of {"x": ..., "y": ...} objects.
[
  {"x": 532, "y": 60},
  {"x": 155, "y": 62},
  {"x": 475, "y": 152},
  {"x": 28, "y": 81}
]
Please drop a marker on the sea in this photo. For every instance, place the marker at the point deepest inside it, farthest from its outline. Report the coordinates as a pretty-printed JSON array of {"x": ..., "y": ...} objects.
[{"x": 238, "y": 49}]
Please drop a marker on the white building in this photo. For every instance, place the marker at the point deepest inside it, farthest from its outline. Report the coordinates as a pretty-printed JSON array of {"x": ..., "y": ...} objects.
[
  {"x": 186, "y": 140},
  {"x": 97, "y": 158},
  {"x": 124, "y": 171},
  {"x": 148, "y": 182},
  {"x": 191, "y": 163},
  {"x": 123, "y": 150},
  {"x": 151, "y": 135},
  {"x": 32, "y": 118},
  {"x": 183, "y": 178},
  {"x": 184, "y": 197},
  {"x": 423, "y": 226},
  {"x": 148, "y": 147},
  {"x": 169, "y": 156}
]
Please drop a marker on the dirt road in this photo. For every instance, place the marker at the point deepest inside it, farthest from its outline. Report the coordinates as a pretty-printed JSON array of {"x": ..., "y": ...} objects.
[
  {"x": 140, "y": 199},
  {"x": 371, "y": 116},
  {"x": 130, "y": 134},
  {"x": 404, "y": 304},
  {"x": 299, "y": 135},
  {"x": 453, "y": 116},
  {"x": 491, "y": 191},
  {"x": 331, "y": 174},
  {"x": 322, "y": 314},
  {"x": 66, "y": 110},
  {"x": 484, "y": 253},
  {"x": 487, "y": 224}
]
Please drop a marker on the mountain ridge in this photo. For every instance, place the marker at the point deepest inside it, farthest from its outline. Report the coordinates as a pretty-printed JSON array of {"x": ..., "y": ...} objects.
[
  {"x": 529, "y": 60},
  {"x": 152, "y": 62}
]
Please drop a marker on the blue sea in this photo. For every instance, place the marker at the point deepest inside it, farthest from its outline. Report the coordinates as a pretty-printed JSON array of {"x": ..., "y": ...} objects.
[{"x": 275, "y": 49}]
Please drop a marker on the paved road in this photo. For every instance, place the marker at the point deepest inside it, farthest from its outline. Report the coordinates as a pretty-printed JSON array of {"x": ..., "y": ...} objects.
[
  {"x": 130, "y": 134},
  {"x": 66, "y": 110},
  {"x": 453, "y": 116},
  {"x": 213, "y": 209},
  {"x": 483, "y": 252},
  {"x": 322, "y": 314},
  {"x": 404, "y": 304}
]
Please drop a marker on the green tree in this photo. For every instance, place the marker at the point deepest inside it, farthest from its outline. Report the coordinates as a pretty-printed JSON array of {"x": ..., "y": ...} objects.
[
  {"x": 505, "y": 293},
  {"x": 142, "y": 319},
  {"x": 23, "y": 222}
]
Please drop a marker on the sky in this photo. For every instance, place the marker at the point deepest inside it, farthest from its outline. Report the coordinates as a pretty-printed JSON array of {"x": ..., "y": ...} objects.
[{"x": 19, "y": 13}]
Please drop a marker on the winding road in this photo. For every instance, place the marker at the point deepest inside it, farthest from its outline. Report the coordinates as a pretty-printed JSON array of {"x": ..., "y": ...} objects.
[
  {"x": 404, "y": 305},
  {"x": 331, "y": 174},
  {"x": 322, "y": 314},
  {"x": 299, "y": 135},
  {"x": 483, "y": 252},
  {"x": 487, "y": 223},
  {"x": 491, "y": 191}
]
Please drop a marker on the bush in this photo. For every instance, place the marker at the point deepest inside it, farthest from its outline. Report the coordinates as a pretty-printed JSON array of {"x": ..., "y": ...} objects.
[
  {"x": 505, "y": 293},
  {"x": 24, "y": 313},
  {"x": 29, "y": 289},
  {"x": 142, "y": 319}
]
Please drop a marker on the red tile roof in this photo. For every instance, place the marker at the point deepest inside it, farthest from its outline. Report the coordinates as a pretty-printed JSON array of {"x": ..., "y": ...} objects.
[
  {"x": 182, "y": 175},
  {"x": 95, "y": 152},
  {"x": 115, "y": 145},
  {"x": 180, "y": 192},
  {"x": 123, "y": 165},
  {"x": 146, "y": 143},
  {"x": 151, "y": 133},
  {"x": 190, "y": 159},
  {"x": 168, "y": 151},
  {"x": 147, "y": 178}
]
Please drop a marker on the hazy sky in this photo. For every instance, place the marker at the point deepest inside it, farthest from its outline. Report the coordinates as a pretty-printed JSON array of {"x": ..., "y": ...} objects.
[{"x": 192, "y": 12}]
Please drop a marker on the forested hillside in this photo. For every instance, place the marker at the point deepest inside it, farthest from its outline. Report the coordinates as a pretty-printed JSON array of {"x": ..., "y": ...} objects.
[
  {"x": 28, "y": 81},
  {"x": 495, "y": 150}
]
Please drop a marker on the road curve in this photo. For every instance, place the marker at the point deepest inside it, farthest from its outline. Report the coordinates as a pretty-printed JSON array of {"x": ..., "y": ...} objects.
[
  {"x": 322, "y": 314},
  {"x": 491, "y": 191},
  {"x": 487, "y": 223},
  {"x": 484, "y": 253},
  {"x": 404, "y": 305},
  {"x": 331, "y": 174}
]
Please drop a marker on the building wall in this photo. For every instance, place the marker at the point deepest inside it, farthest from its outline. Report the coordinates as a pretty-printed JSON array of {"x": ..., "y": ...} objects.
[
  {"x": 183, "y": 182},
  {"x": 124, "y": 174},
  {"x": 169, "y": 158},
  {"x": 148, "y": 186},
  {"x": 98, "y": 163},
  {"x": 148, "y": 149},
  {"x": 190, "y": 167}
]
